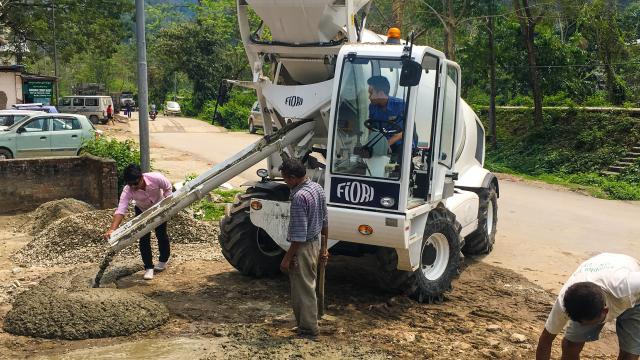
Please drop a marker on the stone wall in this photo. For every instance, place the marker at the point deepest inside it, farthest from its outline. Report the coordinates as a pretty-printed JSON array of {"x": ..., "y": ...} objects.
[{"x": 27, "y": 183}]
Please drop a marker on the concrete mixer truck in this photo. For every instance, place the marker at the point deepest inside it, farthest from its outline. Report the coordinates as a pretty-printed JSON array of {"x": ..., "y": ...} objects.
[{"x": 407, "y": 185}]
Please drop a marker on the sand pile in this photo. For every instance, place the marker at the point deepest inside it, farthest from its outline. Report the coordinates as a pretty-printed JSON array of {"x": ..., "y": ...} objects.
[
  {"x": 78, "y": 239},
  {"x": 63, "y": 306},
  {"x": 51, "y": 211}
]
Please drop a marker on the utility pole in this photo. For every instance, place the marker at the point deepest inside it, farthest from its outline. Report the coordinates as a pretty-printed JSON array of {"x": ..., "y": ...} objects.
[
  {"x": 55, "y": 52},
  {"x": 143, "y": 99}
]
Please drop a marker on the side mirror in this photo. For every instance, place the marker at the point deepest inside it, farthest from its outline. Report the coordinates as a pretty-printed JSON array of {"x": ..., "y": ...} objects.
[
  {"x": 20, "y": 130},
  {"x": 410, "y": 73}
]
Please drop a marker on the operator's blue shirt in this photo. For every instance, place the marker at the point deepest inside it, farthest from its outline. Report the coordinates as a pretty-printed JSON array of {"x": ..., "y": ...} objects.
[{"x": 394, "y": 112}]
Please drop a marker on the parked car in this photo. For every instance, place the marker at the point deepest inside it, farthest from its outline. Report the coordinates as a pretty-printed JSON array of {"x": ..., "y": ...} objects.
[
  {"x": 92, "y": 106},
  {"x": 255, "y": 120},
  {"x": 171, "y": 108},
  {"x": 10, "y": 117},
  {"x": 36, "y": 107},
  {"x": 127, "y": 98},
  {"x": 46, "y": 135}
]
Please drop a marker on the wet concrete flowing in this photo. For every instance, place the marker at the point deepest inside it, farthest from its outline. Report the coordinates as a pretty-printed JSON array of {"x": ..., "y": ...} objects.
[{"x": 103, "y": 266}]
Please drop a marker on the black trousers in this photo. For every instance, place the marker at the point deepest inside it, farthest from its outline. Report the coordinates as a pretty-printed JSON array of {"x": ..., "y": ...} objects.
[{"x": 163, "y": 244}]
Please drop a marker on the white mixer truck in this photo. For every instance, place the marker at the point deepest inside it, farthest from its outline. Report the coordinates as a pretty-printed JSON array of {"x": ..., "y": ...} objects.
[{"x": 403, "y": 181}]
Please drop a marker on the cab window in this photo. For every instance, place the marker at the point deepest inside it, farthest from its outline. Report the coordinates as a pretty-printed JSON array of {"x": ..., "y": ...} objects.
[
  {"x": 66, "y": 102},
  {"x": 78, "y": 102}
]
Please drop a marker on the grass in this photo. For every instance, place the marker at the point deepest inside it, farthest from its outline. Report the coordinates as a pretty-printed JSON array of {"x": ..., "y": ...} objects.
[{"x": 212, "y": 208}]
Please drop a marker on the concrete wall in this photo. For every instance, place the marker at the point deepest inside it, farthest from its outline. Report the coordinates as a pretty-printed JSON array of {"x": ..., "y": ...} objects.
[
  {"x": 11, "y": 85},
  {"x": 27, "y": 183}
]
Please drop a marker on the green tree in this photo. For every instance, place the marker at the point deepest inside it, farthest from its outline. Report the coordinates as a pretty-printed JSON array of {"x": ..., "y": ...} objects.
[{"x": 600, "y": 25}]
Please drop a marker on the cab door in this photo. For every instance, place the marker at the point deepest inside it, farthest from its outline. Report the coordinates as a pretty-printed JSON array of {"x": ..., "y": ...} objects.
[
  {"x": 66, "y": 136},
  {"x": 33, "y": 139},
  {"x": 442, "y": 155}
]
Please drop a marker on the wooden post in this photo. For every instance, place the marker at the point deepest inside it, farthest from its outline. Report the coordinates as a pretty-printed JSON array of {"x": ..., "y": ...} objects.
[{"x": 320, "y": 286}]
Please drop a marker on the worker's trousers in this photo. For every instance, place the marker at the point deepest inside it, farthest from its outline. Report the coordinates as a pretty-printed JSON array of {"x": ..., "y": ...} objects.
[
  {"x": 302, "y": 276},
  {"x": 163, "y": 244}
]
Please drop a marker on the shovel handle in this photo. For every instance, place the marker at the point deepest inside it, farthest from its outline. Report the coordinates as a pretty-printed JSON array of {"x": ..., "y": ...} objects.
[{"x": 321, "y": 267}]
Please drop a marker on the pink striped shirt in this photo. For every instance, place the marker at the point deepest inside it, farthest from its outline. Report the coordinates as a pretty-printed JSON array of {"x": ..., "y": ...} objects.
[{"x": 157, "y": 188}]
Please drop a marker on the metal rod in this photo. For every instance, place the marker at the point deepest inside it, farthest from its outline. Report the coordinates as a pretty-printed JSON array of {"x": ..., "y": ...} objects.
[
  {"x": 55, "y": 53},
  {"x": 143, "y": 96}
]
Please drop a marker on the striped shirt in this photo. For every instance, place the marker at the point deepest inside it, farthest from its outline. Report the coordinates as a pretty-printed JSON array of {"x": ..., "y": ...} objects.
[{"x": 308, "y": 213}]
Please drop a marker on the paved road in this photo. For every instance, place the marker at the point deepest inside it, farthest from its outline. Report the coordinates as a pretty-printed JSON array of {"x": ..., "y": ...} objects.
[
  {"x": 183, "y": 146},
  {"x": 543, "y": 232}
]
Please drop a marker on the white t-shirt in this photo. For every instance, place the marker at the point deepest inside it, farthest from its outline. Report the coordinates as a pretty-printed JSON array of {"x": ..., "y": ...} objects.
[{"x": 619, "y": 277}]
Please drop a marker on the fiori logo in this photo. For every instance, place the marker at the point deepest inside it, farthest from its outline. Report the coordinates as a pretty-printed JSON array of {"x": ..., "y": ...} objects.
[
  {"x": 293, "y": 101},
  {"x": 355, "y": 192}
]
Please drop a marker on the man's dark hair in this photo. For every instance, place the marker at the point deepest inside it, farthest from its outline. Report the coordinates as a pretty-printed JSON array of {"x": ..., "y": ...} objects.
[
  {"x": 380, "y": 83},
  {"x": 292, "y": 168},
  {"x": 584, "y": 301},
  {"x": 132, "y": 173}
]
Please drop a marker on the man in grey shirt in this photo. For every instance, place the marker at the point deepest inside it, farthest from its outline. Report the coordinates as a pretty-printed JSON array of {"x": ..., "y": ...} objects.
[{"x": 307, "y": 222}]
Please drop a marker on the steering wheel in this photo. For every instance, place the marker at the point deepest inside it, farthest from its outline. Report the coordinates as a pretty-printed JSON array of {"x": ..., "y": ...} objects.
[{"x": 385, "y": 127}]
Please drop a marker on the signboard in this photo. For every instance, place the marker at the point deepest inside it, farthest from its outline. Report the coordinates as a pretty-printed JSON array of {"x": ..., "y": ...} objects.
[{"x": 39, "y": 89}]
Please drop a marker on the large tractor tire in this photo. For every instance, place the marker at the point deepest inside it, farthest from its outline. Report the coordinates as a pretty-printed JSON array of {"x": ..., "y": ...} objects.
[
  {"x": 247, "y": 247},
  {"x": 481, "y": 241},
  {"x": 440, "y": 261}
]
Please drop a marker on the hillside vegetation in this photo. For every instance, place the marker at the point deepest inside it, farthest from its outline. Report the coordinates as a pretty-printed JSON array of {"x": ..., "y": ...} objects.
[{"x": 571, "y": 148}]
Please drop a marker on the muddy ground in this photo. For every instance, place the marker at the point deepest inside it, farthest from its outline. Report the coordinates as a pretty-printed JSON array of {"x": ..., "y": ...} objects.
[{"x": 216, "y": 313}]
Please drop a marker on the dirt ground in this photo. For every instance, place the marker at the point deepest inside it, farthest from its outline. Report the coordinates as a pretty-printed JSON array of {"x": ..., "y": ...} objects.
[{"x": 216, "y": 313}]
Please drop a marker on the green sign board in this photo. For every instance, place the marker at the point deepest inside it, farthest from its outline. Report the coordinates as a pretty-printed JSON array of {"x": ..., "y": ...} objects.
[{"x": 39, "y": 89}]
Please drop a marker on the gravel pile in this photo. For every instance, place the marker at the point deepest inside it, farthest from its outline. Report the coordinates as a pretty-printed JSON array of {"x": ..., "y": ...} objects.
[
  {"x": 78, "y": 239},
  {"x": 51, "y": 211}
]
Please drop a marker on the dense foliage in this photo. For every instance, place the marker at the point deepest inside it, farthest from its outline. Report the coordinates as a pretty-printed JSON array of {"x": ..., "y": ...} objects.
[
  {"x": 571, "y": 147},
  {"x": 123, "y": 152}
]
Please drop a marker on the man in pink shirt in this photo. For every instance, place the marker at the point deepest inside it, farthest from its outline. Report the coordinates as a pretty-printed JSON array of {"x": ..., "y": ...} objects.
[{"x": 146, "y": 190}]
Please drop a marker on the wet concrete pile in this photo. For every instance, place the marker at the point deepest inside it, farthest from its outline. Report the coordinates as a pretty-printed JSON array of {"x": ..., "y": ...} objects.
[
  {"x": 77, "y": 239},
  {"x": 64, "y": 306}
]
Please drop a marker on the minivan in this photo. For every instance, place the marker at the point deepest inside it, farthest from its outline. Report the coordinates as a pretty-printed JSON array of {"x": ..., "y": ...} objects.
[{"x": 93, "y": 107}]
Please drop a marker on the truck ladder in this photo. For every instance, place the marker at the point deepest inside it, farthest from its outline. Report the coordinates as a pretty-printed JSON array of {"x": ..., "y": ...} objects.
[{"x": 199, "y": 187}]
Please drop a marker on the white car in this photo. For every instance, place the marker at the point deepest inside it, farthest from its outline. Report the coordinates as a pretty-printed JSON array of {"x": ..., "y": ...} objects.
[
  {"x": 171, "y": 108},
  {"x": 10, "y": 117},
  {"x": 255, "y": 120}
]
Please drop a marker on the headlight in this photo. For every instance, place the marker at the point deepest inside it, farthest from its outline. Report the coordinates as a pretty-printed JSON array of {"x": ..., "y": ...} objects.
[
  {"x": 387, "y": 202},
  {"x": 263, "y": 173}
]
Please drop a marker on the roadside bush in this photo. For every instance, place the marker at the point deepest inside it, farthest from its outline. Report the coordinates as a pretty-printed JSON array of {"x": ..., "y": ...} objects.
[
  {"x": 235, "y": 112},
  {"x": 123, "y": 152},
  {"x": 599, "y": 98},
  {"x": 521, "y": 100},
  {"x": 559, "y": 99}
]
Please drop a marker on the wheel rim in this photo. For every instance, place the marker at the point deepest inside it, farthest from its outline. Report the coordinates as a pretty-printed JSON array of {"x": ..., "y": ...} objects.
[
  {"x": 435, "y": 256},
  {"x": 265, "y": 244},
  {"x": 490, "y": 217}
]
